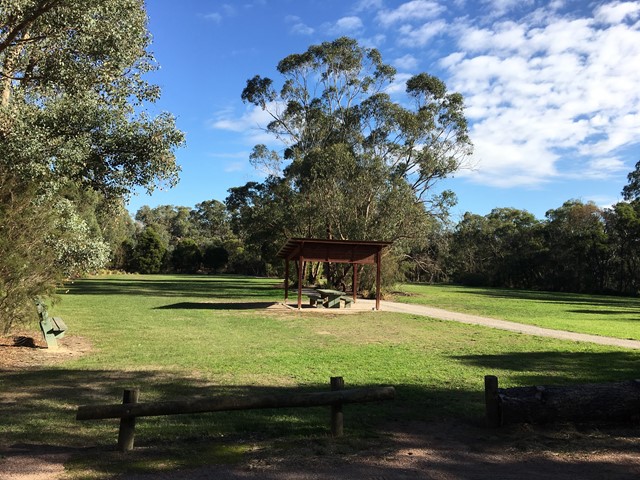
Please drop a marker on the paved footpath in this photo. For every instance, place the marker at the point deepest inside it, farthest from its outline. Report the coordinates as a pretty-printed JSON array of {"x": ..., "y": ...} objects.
[{"x": 505, "y": 325}]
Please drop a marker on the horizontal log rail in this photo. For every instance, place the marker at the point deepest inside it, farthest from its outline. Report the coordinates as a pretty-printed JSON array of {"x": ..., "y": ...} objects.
[
  {"x": 543, "y": 404},
  {"x": 130, "y": 409}
]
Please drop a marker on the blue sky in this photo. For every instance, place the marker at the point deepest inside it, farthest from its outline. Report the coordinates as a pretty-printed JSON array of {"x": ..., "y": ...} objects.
[{"x": 552, "y": 88}]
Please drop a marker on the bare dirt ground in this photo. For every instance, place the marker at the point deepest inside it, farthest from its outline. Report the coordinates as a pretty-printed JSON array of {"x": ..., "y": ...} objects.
[{"x": 440, "y": 450}]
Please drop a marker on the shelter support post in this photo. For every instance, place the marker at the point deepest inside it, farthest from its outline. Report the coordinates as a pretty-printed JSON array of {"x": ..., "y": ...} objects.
[
  {"x": 355, "y": 281},
  {"x": 378, "y": 261},
  {"x": 300, "y": 264},
  {"x": 286, "y": 280}
]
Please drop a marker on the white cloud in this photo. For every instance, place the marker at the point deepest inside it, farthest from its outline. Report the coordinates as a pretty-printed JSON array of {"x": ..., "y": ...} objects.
[
  {"x": 373, "y": 42},
  {"x": 346, "y": 26},
  {"x": 236, "y": 167},
  {"x": 229, "y": 9},
  {"x": 617, "y": 12},
  {"x": 500, "y": 7},
  {"x": 298, "y": 26},
  {"x": 252, "y": 124},
  {"x": 367, "y": 5},
  {"x": 406, "y": 62},
  {"x": 420, "y": 36},
  {"x": 214, "y": 17},
  {"x": 413, "y": 11},
  {"x": 541, "y": 93},
  {"x": 399, "y": 84}
]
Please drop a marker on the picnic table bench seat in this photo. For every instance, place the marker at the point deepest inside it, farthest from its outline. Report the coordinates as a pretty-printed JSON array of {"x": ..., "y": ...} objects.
[
  {"x": 314, "y": 297},
  {"x": 347, "y": 301}
]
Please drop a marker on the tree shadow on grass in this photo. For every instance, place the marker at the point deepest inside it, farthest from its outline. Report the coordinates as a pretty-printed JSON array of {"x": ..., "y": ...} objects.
[
  {"x": 586, "y": 311},
  {"x": 556, "y": 297},
  {"x": 556, "y": 367},
  {"x": 177, "y": 286},
  {"x": 38, "y": 407},
  {"x": 216, "y": 306}
]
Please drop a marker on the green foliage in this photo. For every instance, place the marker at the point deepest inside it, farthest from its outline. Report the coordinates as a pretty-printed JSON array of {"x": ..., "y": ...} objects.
[
  {"x": 357, "y": 164},
  {"x": 622, "y": 225},
  {"x": 580, "y": 254},
  {"x": 73, "y": 93},
  {"x": 27, "y": 264},
  {"x": 74, "y": 131},
  {"x": 211, "y": 221},
  {"x": 170, "y": 222},
  {"x": 215, "y": 258},
  {"x": 186, "y": 256},
  {"x": 578, "y": 248},
  {"x": 149, "y": 252},
  {"x": 631, "y": 191},
  {"x": 502, "y": 248}
]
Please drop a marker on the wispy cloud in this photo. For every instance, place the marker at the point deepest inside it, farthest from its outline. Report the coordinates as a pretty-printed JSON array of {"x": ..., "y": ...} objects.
[
  {"x": 298, "y": 27},
  {"x": 368, "y": 6},
  {"x": 555, "y": 89},
  {"x": 501, "y": 7},
  {"x": 225, "y": 10},
  {"x": 419, "y": 36},
  {"x": 251, "y": 124},
  {"x": 617, "y": 12},
  {"x": 351, "y": 25},
  {"x": 406, "y": 62},
  {"x": 410, "y": 12},
  {"x": 213, "y": 17}
]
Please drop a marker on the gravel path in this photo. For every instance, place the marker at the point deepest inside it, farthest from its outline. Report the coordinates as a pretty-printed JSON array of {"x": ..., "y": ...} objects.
[{"x": 505, "y": 325}]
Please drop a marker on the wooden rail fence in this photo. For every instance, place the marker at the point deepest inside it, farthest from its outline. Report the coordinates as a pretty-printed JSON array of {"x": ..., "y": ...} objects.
[
  {"x": 130, "y": 409},
  {"x": 542, "y": 404}
]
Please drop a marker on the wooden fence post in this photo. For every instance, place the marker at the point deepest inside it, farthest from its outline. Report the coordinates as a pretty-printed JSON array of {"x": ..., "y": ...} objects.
[
  {"x": 127, "y": 430},
  {"x": 337, "y": 418},
  {"x": 491, "y": 401}
]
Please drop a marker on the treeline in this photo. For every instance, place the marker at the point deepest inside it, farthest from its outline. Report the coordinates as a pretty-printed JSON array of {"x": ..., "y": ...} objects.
[
  {"x": 182, "y": 240},
  {"x": 578, "y": 247}
]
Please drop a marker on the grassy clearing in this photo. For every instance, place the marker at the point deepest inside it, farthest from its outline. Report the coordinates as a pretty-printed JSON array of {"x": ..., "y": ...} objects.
[
  {"x": 595, "y": 314},
  {"x": 185, "y": 336}
]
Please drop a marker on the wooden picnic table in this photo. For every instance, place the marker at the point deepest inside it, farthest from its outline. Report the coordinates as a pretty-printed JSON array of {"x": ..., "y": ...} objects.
[{"x": 330, "y": 298}]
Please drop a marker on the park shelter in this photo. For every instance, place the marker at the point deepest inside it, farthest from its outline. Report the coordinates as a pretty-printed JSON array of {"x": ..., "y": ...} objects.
[{"x": 354, "y": 252}]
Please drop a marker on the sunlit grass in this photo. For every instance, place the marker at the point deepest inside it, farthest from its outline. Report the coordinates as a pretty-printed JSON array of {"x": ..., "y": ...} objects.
[
  {"x": 180, "y": 337},
  {"x": 594, "y": 314}
]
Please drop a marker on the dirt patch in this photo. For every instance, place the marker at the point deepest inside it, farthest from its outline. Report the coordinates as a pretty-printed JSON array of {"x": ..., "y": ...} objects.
[
  {"x": 26, "y": 350},
  {"x": 439, "y": 450}
]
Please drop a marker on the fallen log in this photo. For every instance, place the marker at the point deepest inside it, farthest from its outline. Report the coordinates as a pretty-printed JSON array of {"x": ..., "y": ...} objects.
[{"x": 549, "y": 403}]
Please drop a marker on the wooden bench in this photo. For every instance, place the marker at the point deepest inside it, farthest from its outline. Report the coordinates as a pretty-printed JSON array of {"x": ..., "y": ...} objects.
[{"x": 52, "y": 327}]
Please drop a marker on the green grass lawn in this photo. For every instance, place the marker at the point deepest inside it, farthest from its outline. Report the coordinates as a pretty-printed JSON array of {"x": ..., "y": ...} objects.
[
  {"x": 178, "y": 337},
  {"x": 595, "y": 314}
]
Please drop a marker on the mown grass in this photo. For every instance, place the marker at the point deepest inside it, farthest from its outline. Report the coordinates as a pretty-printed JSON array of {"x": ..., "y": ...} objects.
[
  {"x": 190, "y": 336},
  {"x": 594, "y": 314}
]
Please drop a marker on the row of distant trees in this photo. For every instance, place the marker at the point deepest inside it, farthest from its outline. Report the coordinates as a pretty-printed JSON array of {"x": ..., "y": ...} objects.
[
  {"x": 578, "y": 247},
  {"x": 178, "y": 239}
]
